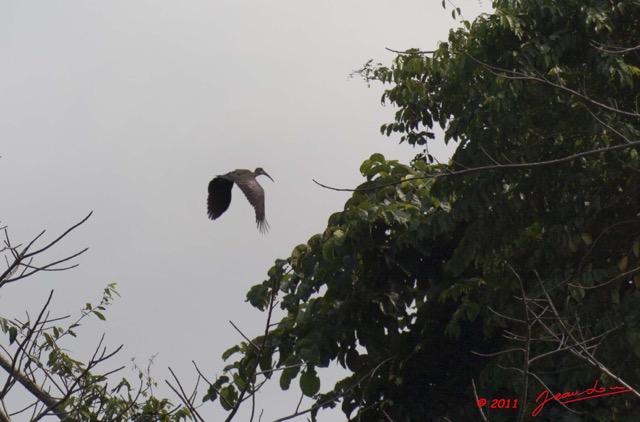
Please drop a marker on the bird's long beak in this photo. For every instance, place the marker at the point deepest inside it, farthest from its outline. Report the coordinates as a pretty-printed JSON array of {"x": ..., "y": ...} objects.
[{"x": 265, "y": 173}]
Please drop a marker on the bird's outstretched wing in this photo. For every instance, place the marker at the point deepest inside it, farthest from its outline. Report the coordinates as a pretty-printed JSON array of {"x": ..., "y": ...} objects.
[
  {"x": 219, "y": 197},
  {"x": 255, "y": 194}
]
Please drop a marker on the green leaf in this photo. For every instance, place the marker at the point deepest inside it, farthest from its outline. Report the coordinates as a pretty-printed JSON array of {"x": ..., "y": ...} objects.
[
  {"x": 227, "y": 353},
  {"x": 298, "y": 251},
  {"x": 311, "y": 352},
  {"x": 266, "y": 364},
  {"x": 13, "y": 333},
  {"x": 287, "y": 375},
  {"x": 309, "y": 383},
  {"x": 624, "y": 262},
  {"x": 258, "y": 296},
  {"x": 352, "y": 360},
  {"x": 229, "y": 396},
  {"x": 328, "y": 250}
]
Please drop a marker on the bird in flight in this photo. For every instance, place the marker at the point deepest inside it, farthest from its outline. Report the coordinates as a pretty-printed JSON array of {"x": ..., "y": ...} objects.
[{"x": 220, "y": 194}]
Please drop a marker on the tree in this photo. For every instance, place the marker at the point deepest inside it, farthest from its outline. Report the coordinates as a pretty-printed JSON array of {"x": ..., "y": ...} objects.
[
  {"x": 509, "y": 272},
  {"x": 37, "y": 366}
]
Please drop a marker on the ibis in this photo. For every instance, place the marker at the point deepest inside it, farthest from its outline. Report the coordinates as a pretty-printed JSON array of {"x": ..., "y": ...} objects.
[{"x": 220, "y": 194}]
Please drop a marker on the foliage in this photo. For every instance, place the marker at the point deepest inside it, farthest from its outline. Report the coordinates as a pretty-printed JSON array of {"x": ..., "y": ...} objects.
[
  {"x": 513, "y": 269},
  {"x": 35, "y": 357}
]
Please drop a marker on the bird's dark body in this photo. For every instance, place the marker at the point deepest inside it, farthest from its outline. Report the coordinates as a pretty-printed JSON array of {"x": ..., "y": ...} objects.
[{"x": 220, "y": 194}]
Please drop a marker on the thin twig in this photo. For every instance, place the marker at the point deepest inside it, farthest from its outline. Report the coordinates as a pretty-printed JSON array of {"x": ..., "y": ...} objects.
[
  {"x": 182, "y": 395},
  {"x": 475, "y": 393}
]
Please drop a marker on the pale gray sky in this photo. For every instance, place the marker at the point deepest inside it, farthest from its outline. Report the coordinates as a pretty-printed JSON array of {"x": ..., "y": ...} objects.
[{"x": 129, "y": 108}]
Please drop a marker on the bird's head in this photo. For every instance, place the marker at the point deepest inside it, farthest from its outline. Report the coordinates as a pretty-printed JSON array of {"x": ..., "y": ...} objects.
[{"x": 260, "y": 171}]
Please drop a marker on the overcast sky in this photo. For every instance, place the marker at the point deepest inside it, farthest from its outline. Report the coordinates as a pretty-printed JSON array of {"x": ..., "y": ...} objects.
[{"x": 129, "y": 108}]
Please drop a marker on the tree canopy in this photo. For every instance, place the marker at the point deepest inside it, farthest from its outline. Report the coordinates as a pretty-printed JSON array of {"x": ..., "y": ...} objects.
[{"x": 511, "y": 270}]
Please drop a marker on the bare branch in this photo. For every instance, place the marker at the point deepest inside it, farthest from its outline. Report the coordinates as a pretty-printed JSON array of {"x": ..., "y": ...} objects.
[
  {"x": 59, "y": 238},
  {"x": 475, "y": 393},
  {"x": 258, "y": 357},
  {"x": 491, "y": 167},
  {"x": 580, "y": 350},
  {"x": 513, "y": 74},
  {"x": 411, "y": 52},
  {"x": 32, "y": 387},
  {"x": 186, "y": 400},
  {"x": 25, "y": 255},
  {"x": 245, "y": 337},
  {"x": 614, "y": 49}
]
